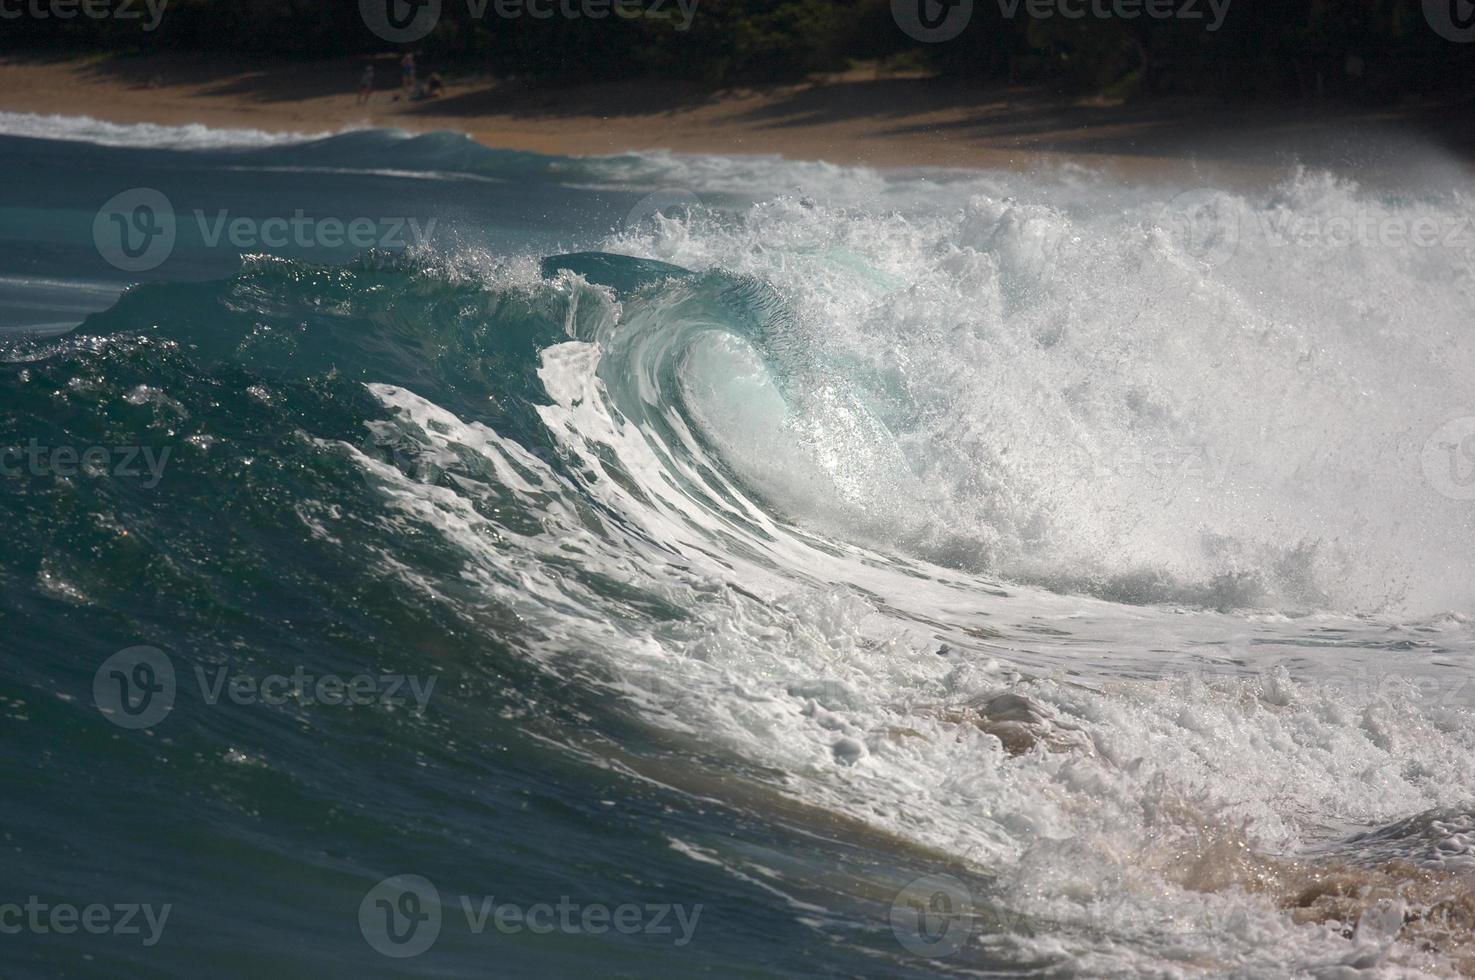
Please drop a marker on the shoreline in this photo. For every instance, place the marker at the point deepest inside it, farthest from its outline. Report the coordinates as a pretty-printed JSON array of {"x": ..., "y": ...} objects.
[{"x": 857, "y": 118}]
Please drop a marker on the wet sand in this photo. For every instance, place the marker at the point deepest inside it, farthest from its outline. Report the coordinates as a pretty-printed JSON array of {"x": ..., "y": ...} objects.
[{"x": 860, "y": 117}]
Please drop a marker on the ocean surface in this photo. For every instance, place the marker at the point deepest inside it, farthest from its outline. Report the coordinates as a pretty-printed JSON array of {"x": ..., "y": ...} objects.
[{"x": 657, "y": 566}]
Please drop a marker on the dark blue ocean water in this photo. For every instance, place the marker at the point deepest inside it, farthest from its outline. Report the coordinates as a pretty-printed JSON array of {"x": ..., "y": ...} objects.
[
  {"x": 262, "y": 826},
  {"x": 715, "y": 567}
]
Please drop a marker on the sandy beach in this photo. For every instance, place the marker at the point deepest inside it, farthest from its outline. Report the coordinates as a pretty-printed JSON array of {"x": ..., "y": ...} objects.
[{"x": 860, "y": 117}]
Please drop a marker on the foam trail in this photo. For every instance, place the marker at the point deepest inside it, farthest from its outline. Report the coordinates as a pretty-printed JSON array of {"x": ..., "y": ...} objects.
[
  {"x": 1057, "y": 527},
  {"x": 85, "y": 129}
]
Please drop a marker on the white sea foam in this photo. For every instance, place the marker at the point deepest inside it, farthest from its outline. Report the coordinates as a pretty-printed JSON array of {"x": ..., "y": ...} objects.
[
  {"x": 85, "y": 129},
  {"x": 864, "y": 695},
  {"x": 1094, "y": 399},
  {"x": 1166, "y": 787}
]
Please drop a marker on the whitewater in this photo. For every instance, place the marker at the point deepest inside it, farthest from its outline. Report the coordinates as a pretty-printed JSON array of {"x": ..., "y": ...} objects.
[{"x": 1085, "y": 562}]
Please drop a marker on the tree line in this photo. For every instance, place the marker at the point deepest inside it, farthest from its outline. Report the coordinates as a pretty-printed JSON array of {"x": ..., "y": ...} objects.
[{"x": 1350, "y": 49}]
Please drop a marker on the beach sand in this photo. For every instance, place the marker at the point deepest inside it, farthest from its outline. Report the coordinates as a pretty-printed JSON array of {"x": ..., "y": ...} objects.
[{"x": 860, "y": 117}]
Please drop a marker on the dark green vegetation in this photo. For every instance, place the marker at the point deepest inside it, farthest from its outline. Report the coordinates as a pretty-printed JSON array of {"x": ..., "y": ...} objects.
[{"x": 1364, "y": 50}]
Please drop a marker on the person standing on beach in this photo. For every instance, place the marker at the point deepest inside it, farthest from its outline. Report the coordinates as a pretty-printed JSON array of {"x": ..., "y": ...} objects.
[
  {"x": 407, "y": 73},
  {"x": 366, "y": 85}
]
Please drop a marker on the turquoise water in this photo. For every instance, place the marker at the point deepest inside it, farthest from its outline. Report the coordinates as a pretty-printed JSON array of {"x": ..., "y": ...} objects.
[
  {"x": 682, "y": 523},
  {"x": 265, "y": 825}
]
